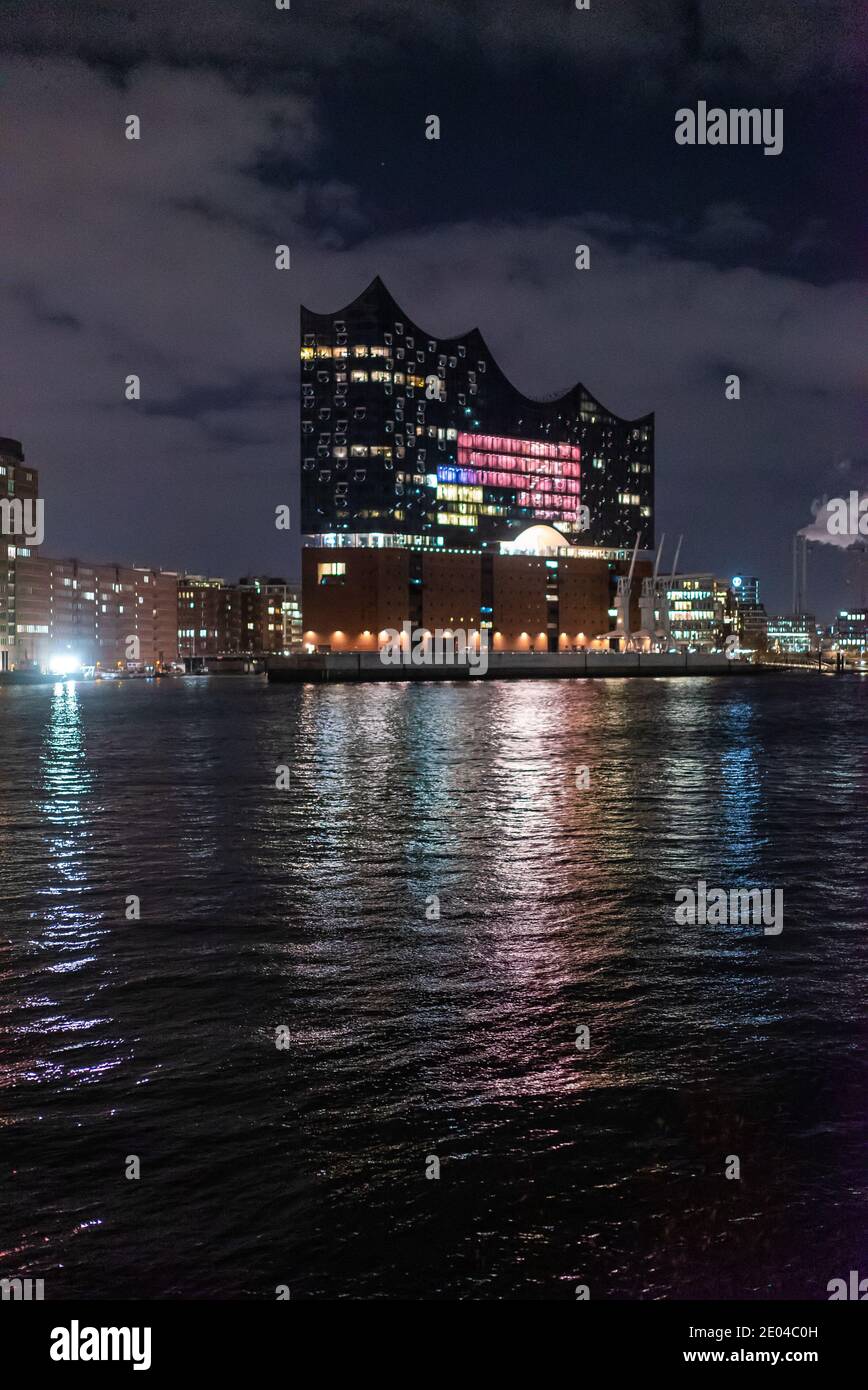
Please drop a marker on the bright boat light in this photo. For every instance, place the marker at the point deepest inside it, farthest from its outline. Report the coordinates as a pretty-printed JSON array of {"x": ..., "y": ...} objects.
[{"x": 64, "y": 664}]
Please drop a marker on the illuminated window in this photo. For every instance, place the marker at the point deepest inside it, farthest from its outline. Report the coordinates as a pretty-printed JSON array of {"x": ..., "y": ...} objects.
[{"x": 330, "y": 570}]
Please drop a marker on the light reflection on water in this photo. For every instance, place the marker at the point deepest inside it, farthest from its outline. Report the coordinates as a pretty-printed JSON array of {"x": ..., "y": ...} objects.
[
  {"x": 66, "y": 784},
  {"x": 413, "y": 1033}
]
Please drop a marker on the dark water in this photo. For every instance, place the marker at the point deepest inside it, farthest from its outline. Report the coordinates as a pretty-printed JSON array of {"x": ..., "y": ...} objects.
[{"x": 411, "y": 1037}]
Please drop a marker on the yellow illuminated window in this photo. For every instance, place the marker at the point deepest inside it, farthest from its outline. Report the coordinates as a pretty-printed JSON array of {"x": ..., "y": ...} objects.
[{"x": 330, "y": 570}]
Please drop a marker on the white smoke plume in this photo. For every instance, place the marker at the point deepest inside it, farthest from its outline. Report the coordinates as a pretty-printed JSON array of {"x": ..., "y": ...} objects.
[{"x": 840, "y": 518}]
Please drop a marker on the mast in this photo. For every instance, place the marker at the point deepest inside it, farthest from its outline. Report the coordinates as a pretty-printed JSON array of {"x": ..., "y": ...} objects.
[
  {"x": 624, "y": 589},
  {"x": 658, "y": 557},
  {"x": 665, "y": 620},
  {"x": 648, "y": 598}
]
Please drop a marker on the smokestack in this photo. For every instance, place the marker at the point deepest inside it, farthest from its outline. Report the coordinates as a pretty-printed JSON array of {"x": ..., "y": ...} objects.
[
  {"x": 804, "y": 575},
  {"x": 800, "y": 573}
]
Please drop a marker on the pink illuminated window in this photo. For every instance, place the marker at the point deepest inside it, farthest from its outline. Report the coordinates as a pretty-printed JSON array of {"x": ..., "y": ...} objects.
[{"x": 545, "y": 477}]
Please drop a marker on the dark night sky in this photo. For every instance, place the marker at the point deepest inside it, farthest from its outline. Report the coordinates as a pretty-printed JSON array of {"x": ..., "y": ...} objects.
[{"x": 307, "y": 127}]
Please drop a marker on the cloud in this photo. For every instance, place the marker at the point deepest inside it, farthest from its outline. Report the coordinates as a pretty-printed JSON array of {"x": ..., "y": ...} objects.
[
  {"x": 156, "y": 258},
  {"x": 703, "y": 40},
  {"x": 642, "y": 316},
  {"x": 153, "y": 247},
  {"x": 729, "y": 225}
]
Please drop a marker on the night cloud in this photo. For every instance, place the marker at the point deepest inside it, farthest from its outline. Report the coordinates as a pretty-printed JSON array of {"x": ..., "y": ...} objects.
[{"x": 710, "y": 39}]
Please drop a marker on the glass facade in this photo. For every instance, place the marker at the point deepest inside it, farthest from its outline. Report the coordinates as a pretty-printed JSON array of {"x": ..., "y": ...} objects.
[
  {"x": 405, "y": 434},
  {"x": 851, "y": 629},
  {"x": 745, "y": 590},
  {"x": 794, "y": 634},
  {"x": 700, "y": 614}
]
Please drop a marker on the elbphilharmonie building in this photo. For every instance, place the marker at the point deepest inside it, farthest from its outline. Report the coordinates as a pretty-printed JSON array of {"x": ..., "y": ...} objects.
[{"x": 412, "y": 439}]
